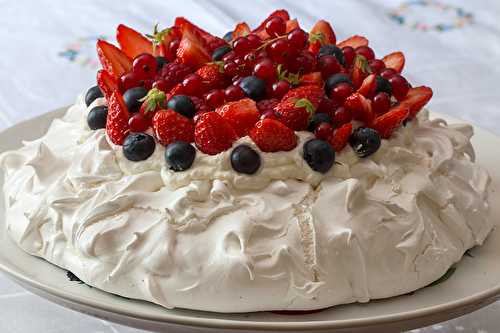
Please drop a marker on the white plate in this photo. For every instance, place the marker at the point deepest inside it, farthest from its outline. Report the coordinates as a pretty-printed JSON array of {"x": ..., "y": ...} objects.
[{"x": 475, "y": 283}]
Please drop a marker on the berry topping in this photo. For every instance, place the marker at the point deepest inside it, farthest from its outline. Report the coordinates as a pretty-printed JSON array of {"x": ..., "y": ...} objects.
[
  {"x": 354, "y": 42},
  {"x": 96, "y": 117},
  {"x": 321, "y": 34},
  {"x": 245, "y": 160},
  {"x": 360, "y": 107},
  {"x": 172, "y": 74},
  {"x": 131, "y": 42},
  {"x": 341, "y": 116},
  {"x": 335, "y": 79},
  {"x": 365, "y": 141},
  {"x": 388, "y": 73},
  {"x": 280, "y": 88},
  {"x": 154, "y": 100},
  {"x": 241, "y": 29},
  {"x": 275, "y": 26},
  {"x": 319, "y": 155},
  {"x": 369, "y": 86},
  {"x": 117, "y": 120},
  {"x": 317, "y": 119},
  {"x": 366, "y": 52},
  {"x": 340, "y": 92},
  {"x": 399, "y": 86},
  {"x": 180, "y": 155},
  {"x": 160, "y": 62},
  {"x": 332, "y": 50},
  {"x": 267, "y": 105},
  {"x": 265, "y": 70},
  {"x": 234, "y": 93},
  {"x": 395, "y": 60},
  {"x": 138, "y": 123},
  {"x": 383, "y": 85},
  {"x": 271, "y": 135},
  {"x": 145, "y": 66},
  {"x": 107, "y": 85},
  {"x": 213, "y": 76},
  {"x": 349, "y": 55},
  {"x": 416, "y": 99},
  {"x": 193, "y": 84},
  {"x": 182, "y": 104},
  {"x": 295, "y": 113},
  {"x": 133, "y": 97},
  {"x": 170, "y": 126},
  {"x": 297, "y": 38},
  {"x": 254, "y": 87},
  {"x": 138, "y": 146},
  {"x": 112, "y": 59},
  {"x": 376, "y": 65},
  {"x": 92, "y": 94},
  {"x": 324, "y": 131},
  {"x": 192, "y": 50},
  {"x": 220, "y": 52},
  {"x": 213, "y": 134},
  {"x": 241, "y": 115},
  {"x": 388, "y": 122},
  {"x": 341, "y": 137},
  {"x": 328, "y": 65},
  {"x": 381, "y": 103},
  {"x": 228, "y": 36},
  {"x": 215, "y": 98}
]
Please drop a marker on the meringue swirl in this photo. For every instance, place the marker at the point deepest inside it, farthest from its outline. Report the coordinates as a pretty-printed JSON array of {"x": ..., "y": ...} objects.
[{"x": 286, "y": 238}]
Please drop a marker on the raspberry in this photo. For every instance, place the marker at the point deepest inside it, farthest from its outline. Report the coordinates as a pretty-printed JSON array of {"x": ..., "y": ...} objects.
[
  {"x": 267, "y": 105},
  {"x": 172, "y": 74},
  {"x": 199, "y": 104}
]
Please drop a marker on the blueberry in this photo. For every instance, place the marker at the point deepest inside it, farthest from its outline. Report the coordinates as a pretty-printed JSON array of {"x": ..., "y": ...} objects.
[
  {"x": 245, "y": 160},
  {"x": 317, "y": 119},
  {"x": 383, "y": 85},
  {"x": 228, "y": 36},
  {"x": 180, "y": 155},
  {"x": 254, "y": 87},
  {"x": 160, "y": 62},
  {"x": 92, "y": 94},
  {"x": 97, "y": 117},
  {"x": 138, "y": 146},
  {"x": 319, "y": 155},
  {"x": 335, "y": 79},
  {"x": 220, "y": 52},
  {"x": 182, "y": 104},
  {"x": 132, "y": 98},
  {"x": 364, "y": 141},
  {"x": 334, "y": 51}
]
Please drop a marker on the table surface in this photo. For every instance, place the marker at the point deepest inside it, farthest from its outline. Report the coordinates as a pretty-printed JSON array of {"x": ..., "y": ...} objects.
[{"x": 48, "y": 57}]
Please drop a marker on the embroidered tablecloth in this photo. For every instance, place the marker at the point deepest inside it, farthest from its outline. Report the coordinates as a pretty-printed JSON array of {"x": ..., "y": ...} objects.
[{"x": 48, "y": 57}]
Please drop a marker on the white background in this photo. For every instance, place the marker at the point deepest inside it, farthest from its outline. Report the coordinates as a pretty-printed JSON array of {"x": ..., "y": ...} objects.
[{"x": 37, "y": 38}]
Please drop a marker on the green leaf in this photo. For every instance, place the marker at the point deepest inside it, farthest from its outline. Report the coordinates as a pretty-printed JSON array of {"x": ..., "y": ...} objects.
[
  {"x": 155, "y": 98},
  {"x": 317, "y": 37},
  {"x": 157, "y": 36},
  {"x": 292, "y": 78},
  {"x": 362, "y": 63},
  {"x": 220, "y": 65},
  {"x": 445, "y": 277},
  {"x": 305, "y": 103}
]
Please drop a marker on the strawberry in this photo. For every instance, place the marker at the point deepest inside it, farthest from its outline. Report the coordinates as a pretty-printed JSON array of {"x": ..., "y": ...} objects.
[
  {"x": 117, "y": 121},
  {"x": 368, "y": 86},
  {"x": 112, "y": 59},
  {"x": 161, "y": 40},
  {"x": 416, "y": 99},
  {"x": 311, "y": 92},
  {"x": 193, "y": 50},
  {"x": 177, "y": 90},
  {"x": 212, "y": 42},
  {"x": 321, "y": 34},
  {"x": 213, "y": 134},
  {"x": 154, "y": 101},
  {"x": 327, "y": 106},
  {"x": 360, "y": 71},
  {"x": 312, "y": 78},
  {"x": 107, "y": 83},
  {"x": 360, "y": 107},
  {"x": 241, "y": 29},
  {"x": 213, "y": 76},
  {"x": 241, "y": 115},
  {"x": 170, "y": 126},
  {"x": 261, "y": 29},
  {"x": 271, "y": 135},
  {"x": 354, "y": 41},
  {"x": 132, "y": 42},
  {"x": 295, "y": 113},
  {"x": 388, "y": 122},
  {"x": 340, "y": 137},
  {"x": 395, "y": 60},
  {"x": 291, "y": 25}
]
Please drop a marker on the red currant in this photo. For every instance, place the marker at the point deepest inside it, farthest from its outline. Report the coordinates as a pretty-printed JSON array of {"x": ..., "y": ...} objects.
[
  {"x": 129, "y": 80},
  {"x": 229, "y": 56},
  {"x": 238, "y": 61},
  {"x": 340, "y": 92},
  {"x": 280, "y": 88},
  {"x": 261, "y": 54},
  {"x": 249, "y": 59},
  {"x": 275, "y": 26},
  {"x": 323, "y": 131},
  {"x": 388, "y": 73},
  {"x": 234, "y": 93},
  {"x": 381, "y": 103},
  {"x": 328, "y": 65},
  {"x": 160, "y": 85},
  {"x": 303, "y": 62},
  {"x": 400, "y": 86},
  {"x": 278, "y": 50},
  {"x": 215, "y": 98},
  {"x": 265, "y": 70},
  {"x": 237, "y": 80},
  {"x": 268, "y": 115},
  {"x": 138, "y": 123},
  {"x": 144, "y": 65},
  {"x": 173, "y": 46},
  {"x": 148, "y": 83},
  {"x": 230, "y": 69},
  {"x": 366, "y": 52},
  {"x": 242, "y": 45},
  {"x": 341, "y": 116},
  {"x": 376, "y": 65},
  {"x": 349, "y": 55},
  {"x": 254, "y": 40},
  {"x": 193, "y": 84},
  {"x": 297, "y": 39}
]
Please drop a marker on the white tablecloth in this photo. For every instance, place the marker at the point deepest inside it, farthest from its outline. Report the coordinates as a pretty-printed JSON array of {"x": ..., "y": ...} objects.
[{"x": 47, "y": 57}]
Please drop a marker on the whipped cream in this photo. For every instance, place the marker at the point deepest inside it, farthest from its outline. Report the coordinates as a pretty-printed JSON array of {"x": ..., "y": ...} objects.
[{"x": 286, "y": 238}]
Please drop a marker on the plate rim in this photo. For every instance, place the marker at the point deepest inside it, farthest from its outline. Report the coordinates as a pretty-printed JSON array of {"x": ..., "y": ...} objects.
[{"x": 483, "y": 298}]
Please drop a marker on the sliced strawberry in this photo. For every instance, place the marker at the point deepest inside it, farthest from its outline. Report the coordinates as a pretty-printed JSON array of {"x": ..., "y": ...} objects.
[
  {"x": 354, "y": 42},
  {"x": 271, "y": 135},
  {"x": 177, "y": 90},
  {"x": 368, "y": 86},
  {"x": 213, "y": 76},
  {"x": 360, "y": 71},
  {"x": 117, "y": 121},
  {"x": 112, "y": 59},
  {"x": 163, "y": 39},
  {"x": 291, "y": 25},
  {"x": 395, "y": 60},
  {"x": 313, "y": 78},
  {"x": 107, "y": 83},
  {"x": 170, "y": 126},
  {"x": 212, "y": 42},
  {"x": 241, "y": 29},
  {"x": 416, "y": 99},
  {"x": 132, "y": 42},
  {"x": 261, "y": 29},
  {"x": 213, "y": 134},
  {"x": 360, "y": 107},
  {"x": 193, "y": 50},
  {"x": 311, "y": 92},
  {"x": 390, "y": 121},
  {"x": 241, "y": 115},
  {"x": 321, "y": 34},
  {"x": 340, "y": 137}
]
